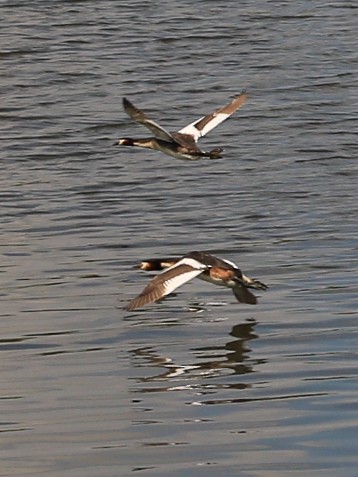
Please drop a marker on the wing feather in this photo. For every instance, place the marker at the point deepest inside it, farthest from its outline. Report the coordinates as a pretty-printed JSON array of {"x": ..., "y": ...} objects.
[
  {"x": 168, "y": 281},
  {"x": 139, "y": 117},
  {"x": 205, "y": 124}
]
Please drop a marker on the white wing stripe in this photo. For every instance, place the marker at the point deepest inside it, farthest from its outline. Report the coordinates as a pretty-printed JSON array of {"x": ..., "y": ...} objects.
[
  {"x": 192, "y": 130},
  {"x": 175, "y": 282},
  {"x": 230, "y": 263},
  {"x": 191, "y": 262},
  {"x": 197, "y": 133},
  {"x": 218, "y": 119}
]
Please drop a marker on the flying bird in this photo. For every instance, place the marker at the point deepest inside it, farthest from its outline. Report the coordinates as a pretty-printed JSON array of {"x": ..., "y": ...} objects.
[
  {"x": 181, "y": 144},
  {"x": 178, "y": 271}
]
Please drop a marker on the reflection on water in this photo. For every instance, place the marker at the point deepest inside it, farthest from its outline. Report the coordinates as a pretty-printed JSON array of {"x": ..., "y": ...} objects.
[{"x": 235, "y": 359}]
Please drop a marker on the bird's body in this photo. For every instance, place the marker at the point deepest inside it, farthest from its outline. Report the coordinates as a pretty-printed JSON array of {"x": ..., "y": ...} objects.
[
  {"x": 178, "y": 271},
  {"x": 181, "y": 144}
]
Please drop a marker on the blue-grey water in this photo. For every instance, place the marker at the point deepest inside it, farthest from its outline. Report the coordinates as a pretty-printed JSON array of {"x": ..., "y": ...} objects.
[{"x": 197, "y": 385}]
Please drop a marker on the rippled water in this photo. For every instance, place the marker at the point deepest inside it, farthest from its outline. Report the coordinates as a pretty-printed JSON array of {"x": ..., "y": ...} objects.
[{"x": 198, "y": 384}]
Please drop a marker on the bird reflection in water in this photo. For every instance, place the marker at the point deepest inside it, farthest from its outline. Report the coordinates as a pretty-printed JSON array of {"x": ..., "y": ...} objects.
[{"x": 234, "y": 355}]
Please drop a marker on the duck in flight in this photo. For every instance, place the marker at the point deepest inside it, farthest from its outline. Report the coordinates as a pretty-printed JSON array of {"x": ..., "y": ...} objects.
[
  {"x": 178, "y": 271},
  {"x": 181, "y": 144}
]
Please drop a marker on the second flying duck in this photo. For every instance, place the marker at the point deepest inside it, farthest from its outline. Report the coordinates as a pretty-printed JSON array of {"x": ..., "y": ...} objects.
[{"x": 178, "y": 271}]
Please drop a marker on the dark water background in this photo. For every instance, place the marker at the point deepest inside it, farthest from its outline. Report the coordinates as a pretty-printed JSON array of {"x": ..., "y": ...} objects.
[{"x": 197, "y": 385}]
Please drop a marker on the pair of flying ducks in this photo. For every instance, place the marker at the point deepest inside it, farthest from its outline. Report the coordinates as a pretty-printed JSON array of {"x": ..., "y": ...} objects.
[{"x": 177, "y": 271}]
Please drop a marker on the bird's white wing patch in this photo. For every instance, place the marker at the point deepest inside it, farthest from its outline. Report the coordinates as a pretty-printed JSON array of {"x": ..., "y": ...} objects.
[
  {"x": 215, "y": 121},
  {"x": 191, "y": 262},
  {"x": 168, "y": 281},
  {"x": 232, "y": 264},
  {"x": 174, "y": 282},
  {"x": 192, "y": 130},
  {"x": 187, "y": 269},
  {"x": 195, "y": 131},
  {"x": 202, "y": 126}
]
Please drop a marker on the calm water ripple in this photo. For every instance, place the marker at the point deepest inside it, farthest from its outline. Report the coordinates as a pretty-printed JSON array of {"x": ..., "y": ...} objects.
[{"x": 195, "y": 385}]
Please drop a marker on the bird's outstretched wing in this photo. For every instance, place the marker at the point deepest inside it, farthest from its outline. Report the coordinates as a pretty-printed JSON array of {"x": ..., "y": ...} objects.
[
  {"x": 202, "y": 126},
  {"x": 139, "y": 117},
  {"x": 168, "y": 281}
]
